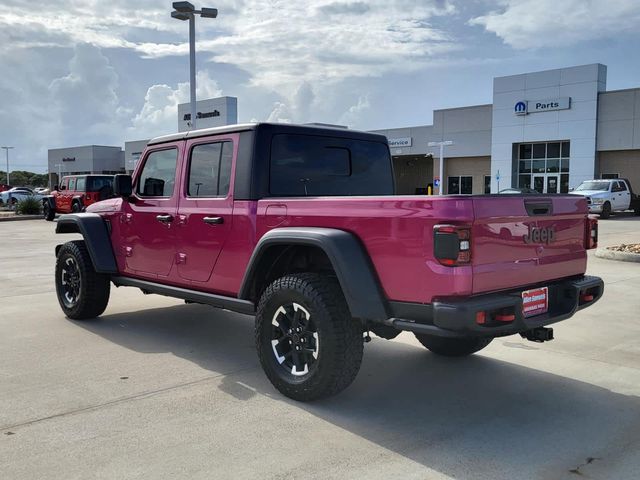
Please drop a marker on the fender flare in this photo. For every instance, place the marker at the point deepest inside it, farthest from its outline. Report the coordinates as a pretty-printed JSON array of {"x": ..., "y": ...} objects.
[
  {"x": 351, "y": 263},
  {"x": 51, "y": 201},
  {"x": 96, "y": 238}
]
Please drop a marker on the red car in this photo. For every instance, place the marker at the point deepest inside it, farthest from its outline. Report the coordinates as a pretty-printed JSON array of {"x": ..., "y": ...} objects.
[
  {"x": 75, "y": 193},
  {"x": 299, "y": 226}
]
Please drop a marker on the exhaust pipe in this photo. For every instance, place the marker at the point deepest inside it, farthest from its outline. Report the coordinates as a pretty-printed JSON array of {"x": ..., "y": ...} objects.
[{"x": 540, "y": 334}]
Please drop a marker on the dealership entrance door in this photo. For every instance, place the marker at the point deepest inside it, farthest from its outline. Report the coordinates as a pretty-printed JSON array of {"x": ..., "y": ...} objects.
[{"x": 546, "y": 183}]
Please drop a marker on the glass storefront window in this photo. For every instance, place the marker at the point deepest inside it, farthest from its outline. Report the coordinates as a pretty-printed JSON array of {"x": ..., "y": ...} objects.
[
  {"x": 564, "y": 183},
  {"x": 525, "y": 151},
  {"x": 565, "y": 165},
  {"x": 538, "y": 166},
  {"x": 524, "y": 181},
  {"x": 565, "y": 149},
  {"x": 553, "y": 165},
  {"x": 525, "y": 166},
  {"x": 553, "y": 150},
  {"x": 539, "y": 150}
]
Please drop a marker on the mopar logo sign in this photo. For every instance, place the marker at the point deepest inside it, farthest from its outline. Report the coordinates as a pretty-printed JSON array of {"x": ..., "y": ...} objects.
[{"x": 524, "y": 107}]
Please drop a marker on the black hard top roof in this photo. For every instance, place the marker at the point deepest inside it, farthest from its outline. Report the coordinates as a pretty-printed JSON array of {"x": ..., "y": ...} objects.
[{"x": 274, "y": 128}]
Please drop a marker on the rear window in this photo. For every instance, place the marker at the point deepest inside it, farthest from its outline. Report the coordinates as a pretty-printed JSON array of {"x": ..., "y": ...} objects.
[
  {"x": 307, "y": 165},
  {"x": 95, "y": 184}
]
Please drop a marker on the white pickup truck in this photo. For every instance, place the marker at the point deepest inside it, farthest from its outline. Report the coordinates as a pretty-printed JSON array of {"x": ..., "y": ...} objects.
[{"x": 605, "y": 196}]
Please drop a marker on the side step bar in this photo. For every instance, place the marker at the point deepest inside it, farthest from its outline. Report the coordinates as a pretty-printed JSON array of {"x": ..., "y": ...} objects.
[{"x": 195, "y": 296}]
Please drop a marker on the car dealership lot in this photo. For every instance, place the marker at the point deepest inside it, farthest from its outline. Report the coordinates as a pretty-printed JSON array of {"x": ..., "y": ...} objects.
[{"x": 159, "y": 389}]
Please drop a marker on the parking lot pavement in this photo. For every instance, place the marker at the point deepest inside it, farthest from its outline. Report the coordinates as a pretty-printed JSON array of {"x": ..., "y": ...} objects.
[{"x": 159, "y": 389}]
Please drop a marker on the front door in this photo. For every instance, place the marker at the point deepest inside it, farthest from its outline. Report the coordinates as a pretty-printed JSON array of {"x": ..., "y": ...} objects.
[
  {"x": 149, "y": 219},
  {"x": 546, "y": 183},
  {"x": 205, "y": 211}
]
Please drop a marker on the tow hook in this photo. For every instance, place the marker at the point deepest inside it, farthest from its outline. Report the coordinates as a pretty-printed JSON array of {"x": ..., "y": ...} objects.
[{"x": 540, "y": 334}]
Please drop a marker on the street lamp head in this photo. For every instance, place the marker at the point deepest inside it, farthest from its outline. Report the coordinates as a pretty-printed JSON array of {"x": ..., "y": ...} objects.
[
  {"x": 180, "y": 15},
  {"x": 184, "y": 7},
  {"x": 209, "y": 12}
]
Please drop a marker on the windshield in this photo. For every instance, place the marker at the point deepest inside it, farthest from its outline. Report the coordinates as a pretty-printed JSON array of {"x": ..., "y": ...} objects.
[{"x": 602, "y": 186}]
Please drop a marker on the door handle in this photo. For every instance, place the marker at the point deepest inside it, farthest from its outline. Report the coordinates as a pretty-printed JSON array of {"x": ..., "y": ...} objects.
[
  {"x": 213, "y": 220},
  {"x": 164, "y": 218}
]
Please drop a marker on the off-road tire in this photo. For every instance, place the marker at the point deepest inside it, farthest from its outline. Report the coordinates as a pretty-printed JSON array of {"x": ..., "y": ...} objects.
[
  {"x": 606, "y": 211},
  {"x": 48, "y": 213},
  {"x": 453, "y": 347},
  {"x": 93, "y": 289},
  {"x": 76, "y": 207},
  {"x": 339, "y": 336}
]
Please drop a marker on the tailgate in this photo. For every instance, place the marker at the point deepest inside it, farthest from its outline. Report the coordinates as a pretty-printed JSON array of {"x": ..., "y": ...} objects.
[{"x": 524, "y": 240}]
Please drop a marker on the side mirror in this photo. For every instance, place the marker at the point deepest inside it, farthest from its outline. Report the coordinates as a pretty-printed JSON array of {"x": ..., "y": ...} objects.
[
  {"x": 62, "y": 187},
  {"x": 122, "y": 186},
  {"x": 55, "y": 187},
  {"x": 571, "y": 189}
]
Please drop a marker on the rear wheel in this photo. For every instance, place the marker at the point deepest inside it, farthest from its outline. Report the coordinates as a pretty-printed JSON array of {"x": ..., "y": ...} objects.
[
  {"x": 75, "y": 207},
  {"x": 606, "y": 210},
  {"x": 453, "y": 347},
  {"x": 82, "y": 292},
  {"x": 307, "y": 342}
]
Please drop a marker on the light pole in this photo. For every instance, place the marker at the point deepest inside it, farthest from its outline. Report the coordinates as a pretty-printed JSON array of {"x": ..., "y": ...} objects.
[
  {"x": 186, "y": 11},
  {"x": 59, "y": 165},
  {"x": 6, "y": 149},
  {"x": 441, "y": 145}
]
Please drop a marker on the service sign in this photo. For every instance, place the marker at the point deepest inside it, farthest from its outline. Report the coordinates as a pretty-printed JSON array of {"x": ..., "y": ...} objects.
[{"x": 399, "y": 142}]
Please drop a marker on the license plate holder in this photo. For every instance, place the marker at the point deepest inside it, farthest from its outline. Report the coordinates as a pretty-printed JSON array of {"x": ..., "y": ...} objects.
[{"x": 535, "y": 301}]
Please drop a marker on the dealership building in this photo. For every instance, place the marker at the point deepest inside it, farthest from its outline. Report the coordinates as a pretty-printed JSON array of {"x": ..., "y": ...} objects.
[{"x": 547, "y": 130}]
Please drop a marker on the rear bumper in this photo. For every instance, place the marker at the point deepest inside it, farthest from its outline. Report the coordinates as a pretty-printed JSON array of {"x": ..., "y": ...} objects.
[{"x": 457, "y": 317}]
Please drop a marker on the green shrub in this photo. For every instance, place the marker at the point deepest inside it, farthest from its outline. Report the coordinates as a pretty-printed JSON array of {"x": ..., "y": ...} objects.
[{"x": 29, "y": 206}]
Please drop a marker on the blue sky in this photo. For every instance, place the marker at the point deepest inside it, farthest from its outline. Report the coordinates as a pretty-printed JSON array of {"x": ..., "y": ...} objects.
[{"x": 80, "y": 72}]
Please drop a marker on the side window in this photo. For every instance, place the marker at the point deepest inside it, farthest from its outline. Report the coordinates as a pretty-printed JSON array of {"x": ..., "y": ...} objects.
[
  {"x": 65, "y": 183},
  {"x": 210, "y": 170},
  {"x": 158, "y": 175},
  {"x": 81, "y": 183},
  {"x": 303, "y": 165},
  {"x": 623, "y": 186},
  {"x": 72, "y": 184},
  {"x": 615, "y": 186}
]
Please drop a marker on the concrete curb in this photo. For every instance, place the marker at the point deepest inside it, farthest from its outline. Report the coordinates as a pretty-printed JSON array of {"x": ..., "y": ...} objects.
[
  {"x": 620, "y": 256},
  {"x": 15, "y": 218}
]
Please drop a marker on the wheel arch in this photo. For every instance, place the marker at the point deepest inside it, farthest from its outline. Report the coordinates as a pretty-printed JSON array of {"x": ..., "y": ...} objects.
[
  {"x": 290, "y": 250},
  {"x": 95, "y": 233}
]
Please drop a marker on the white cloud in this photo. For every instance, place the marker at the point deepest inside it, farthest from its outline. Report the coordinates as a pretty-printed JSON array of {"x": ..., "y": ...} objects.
[
  {"x": 159, "y": 114},
  {"x": 354, "y": 114},
  {"x": 550, "y": 23}
]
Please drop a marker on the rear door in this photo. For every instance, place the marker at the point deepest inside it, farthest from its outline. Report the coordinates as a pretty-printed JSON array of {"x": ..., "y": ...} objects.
[
  {"x": 205, "y": 211},
  {"x": 620, "y": 195},
  {"x": 149, "y": 236},
  {"x": 524, "y": 240}
]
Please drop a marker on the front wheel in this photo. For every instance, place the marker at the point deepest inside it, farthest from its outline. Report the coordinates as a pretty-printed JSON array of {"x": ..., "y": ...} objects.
[
  {"x": 76, "y": 207},
  {"x": 82, "y": 292},
  {"x": 48, "y": 212},
  {"x": 606, "y": 211},
  {"x": 453, "y": 347},
  {"x": 308, "y": 344}
]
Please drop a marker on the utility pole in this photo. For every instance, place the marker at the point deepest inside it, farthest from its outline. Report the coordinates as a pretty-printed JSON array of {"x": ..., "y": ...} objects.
[{"x": 6, "y": 149}]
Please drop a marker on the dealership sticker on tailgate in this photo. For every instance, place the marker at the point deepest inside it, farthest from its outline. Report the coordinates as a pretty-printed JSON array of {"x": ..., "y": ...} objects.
[{"x": 535, "y": 302}]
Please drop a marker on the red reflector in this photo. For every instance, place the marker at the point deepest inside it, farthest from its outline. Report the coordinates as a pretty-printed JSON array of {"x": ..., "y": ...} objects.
[
  {"x": 447, "y": 261},
  {"x": 481, "y": 317},
  {"x": 505, "y": 318},
  {"x": 586, "y": 298}
]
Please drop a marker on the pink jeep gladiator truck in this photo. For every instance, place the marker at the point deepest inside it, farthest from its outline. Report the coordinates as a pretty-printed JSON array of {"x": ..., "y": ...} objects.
[{"x": 299, "y": 226}]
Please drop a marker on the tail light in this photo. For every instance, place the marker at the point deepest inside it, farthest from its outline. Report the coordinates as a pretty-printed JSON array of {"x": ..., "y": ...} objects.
[
  {"x": 591, "y": 233},
  {"x": 452, "y": 244}
]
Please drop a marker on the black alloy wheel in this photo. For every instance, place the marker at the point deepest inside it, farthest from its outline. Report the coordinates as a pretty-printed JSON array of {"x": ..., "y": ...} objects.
[{"x": 294, "y": 339}]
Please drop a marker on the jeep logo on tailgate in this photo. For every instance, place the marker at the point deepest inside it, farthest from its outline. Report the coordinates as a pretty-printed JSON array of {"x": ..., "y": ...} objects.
[{"x": 540, "y": 235}]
